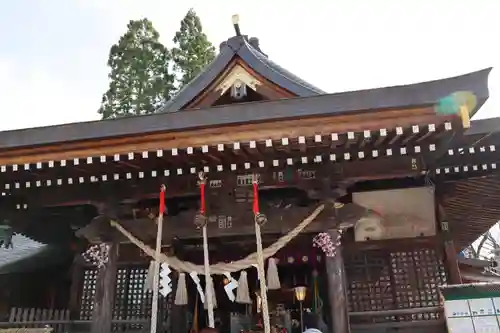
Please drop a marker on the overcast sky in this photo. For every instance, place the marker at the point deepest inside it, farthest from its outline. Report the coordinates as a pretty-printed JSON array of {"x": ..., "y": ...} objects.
[{"x": 53, "y": 53}]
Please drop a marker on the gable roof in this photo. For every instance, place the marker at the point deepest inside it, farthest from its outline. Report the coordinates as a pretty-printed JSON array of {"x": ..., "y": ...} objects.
[
  {"x": 405, "y": 96},
  {"x": 249, "y": 51}
]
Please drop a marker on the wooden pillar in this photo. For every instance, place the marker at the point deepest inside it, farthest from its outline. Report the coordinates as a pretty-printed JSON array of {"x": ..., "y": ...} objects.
[
  {"x": 450, "y": 252},
  {"x": 337, "y": 289},
  {"x": 105, "y": 292},
  {"x": 454, "y": 276},
  {"x": 76, "y": 288}
]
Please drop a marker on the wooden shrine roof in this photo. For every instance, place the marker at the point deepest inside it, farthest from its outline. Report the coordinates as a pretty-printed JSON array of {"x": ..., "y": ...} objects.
[
  {"x": 28, "y": 254},
  {"x": 249, "y": 51},
  {"x": 472, "y": 207},
  {"x": 470, "y": 290},
  {"x": 354, "y": 102}
]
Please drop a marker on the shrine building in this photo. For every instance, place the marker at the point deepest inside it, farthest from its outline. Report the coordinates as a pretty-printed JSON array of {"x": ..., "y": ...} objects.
[{"x": 364, "y": 198}]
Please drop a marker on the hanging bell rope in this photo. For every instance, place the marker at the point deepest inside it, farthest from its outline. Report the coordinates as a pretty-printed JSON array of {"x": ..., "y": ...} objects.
[
  {"x": 156, "y": 275},
  {"x": 222, "y": 267},
  {"x": 202, "y": 221},
  {"x": 260, "y": 219}
]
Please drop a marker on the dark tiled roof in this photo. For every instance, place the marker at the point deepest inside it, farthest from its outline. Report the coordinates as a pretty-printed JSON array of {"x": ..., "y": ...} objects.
[
  {"x": 23, "y": 248},
  {"x": 27, "y": 255},
  {"x": 253, "y": 57},
  {"x": 473, "y": 262},
  {"x": 413, "y": 95},
  {"x": 471, "y": 290}
]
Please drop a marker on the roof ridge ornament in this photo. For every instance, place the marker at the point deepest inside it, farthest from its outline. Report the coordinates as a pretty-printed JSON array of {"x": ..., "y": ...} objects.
[{"x": 236, "y": 24}]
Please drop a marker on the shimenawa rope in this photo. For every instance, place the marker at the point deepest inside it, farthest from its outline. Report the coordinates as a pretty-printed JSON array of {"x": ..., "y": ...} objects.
[{"x": 221, "y": 267}]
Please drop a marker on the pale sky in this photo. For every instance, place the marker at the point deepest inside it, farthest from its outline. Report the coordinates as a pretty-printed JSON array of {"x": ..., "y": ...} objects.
[{"x": 53, "y": 53}]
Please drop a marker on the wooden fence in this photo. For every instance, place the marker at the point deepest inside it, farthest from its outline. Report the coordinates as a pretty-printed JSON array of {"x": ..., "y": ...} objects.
[
  {"x": 33, "y": 320},
  {"x": 23, "y": 320}
]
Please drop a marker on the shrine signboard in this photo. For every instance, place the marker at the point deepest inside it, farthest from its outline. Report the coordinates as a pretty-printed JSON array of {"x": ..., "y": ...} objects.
[{"x": 472, "y": 308}]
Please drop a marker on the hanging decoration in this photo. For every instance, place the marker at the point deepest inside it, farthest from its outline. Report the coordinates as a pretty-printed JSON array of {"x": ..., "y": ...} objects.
[
  {"x": 273, "y": 278},
  {"x": 97, "y": 254},
  {"x": 243, "y": 292},
  {"x": 201, "y": 219},
  {"x": 326, "y": 243},
  {"x": 196, "y": 280},
  {"x": 221, "y": 267},
  {"x": 317, "y": 305},
  {"x": 181, "y": 296},
  {"x": 230, "y": 286},
  {"x": 260, "y": 219},
  {"x": 202, "y": 222},
  {"x": 148, "y": 283},
  {"x": 165, "y": 280},
  {"x": 156, "y": 266},
  {"x": 210, "y": 294}
]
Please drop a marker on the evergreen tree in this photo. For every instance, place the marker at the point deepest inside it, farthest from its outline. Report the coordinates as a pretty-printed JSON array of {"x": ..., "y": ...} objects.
[
  {"x": 193, "y": 51},
  {"x": 140, "y": 80}
]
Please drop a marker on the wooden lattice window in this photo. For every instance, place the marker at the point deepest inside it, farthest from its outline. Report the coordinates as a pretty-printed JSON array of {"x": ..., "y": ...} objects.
[
  {"x": 132, "y": 302},
  {"x": 120, "y": 306},
  {"x": 139, "y": 301},
  {"x": 381, "y": 280},
  {"x": 88, "y": 292}
]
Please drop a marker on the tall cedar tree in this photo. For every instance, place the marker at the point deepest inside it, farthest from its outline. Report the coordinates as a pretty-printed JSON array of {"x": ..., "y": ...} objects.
[
  {"x": 140, "y": 80},
  {"x": 192, "y": 51}
]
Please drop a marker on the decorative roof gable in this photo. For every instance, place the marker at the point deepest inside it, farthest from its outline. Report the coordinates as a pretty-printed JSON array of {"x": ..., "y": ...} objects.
[{"x": 240, "y": 58}]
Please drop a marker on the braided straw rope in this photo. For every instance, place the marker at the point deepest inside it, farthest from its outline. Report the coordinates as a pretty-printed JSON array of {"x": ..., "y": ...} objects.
[{"x": 221, "y": 267}]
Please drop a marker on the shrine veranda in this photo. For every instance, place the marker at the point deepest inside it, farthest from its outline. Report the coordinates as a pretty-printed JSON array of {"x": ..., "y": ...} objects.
[{"x": 404, "y": 188}]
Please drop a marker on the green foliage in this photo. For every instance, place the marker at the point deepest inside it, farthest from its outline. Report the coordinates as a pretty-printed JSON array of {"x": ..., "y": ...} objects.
[
  {"x": 140, "y": 78},
  {"x": 192, "y": 51},
  {"x": 142, "y": 69}
]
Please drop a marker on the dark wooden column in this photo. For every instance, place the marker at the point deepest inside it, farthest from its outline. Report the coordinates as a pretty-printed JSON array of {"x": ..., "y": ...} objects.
[
  {"x": 105, "y": 293},
  {"x": 454, "y": 276},
  {"x": 450, "y": 252},
  {"x": 77, "y": 272},
  {"x": 337, "y": 289}
]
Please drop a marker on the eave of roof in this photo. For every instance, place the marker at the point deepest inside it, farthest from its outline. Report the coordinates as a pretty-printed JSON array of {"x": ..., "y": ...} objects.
[
  {"x": 398, "y": 97},
  {"x": 23, "y": 249},
  {"x": 473, "y": 262},
  {"x": 259, "y": 62}
]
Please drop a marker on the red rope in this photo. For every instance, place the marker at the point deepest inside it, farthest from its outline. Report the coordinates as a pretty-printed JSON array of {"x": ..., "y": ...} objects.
[
  {"x": 162, "y": 199},
  {"x": 256, "y": 209},
  {"x": 202, "y": 195}
]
